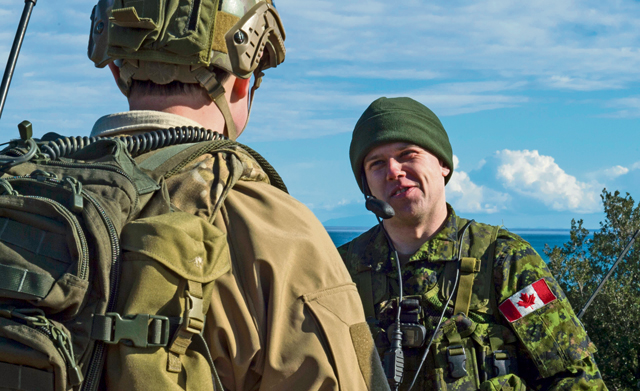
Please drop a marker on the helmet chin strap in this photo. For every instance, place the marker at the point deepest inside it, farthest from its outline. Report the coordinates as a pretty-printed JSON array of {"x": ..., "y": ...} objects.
[
  {"x": 216, "y": 92},
  {"x": 258, "y": 74}
]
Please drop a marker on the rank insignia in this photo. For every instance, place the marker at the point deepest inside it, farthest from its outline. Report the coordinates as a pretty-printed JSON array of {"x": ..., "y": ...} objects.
[{"x": 527, "y": 300}]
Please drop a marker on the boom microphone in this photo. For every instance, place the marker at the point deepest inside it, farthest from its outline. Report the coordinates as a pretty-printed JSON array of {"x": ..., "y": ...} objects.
[{"x": 380, "y": 208}]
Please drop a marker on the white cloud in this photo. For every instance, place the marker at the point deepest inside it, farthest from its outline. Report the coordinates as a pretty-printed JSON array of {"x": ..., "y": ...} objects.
[
  {"x": 537, "y": 176},
  {"x": 611, "y": 172},
  {"x": 628, "y": 107},
  {"x": 380, "y": 73},
  {"x": 576, "y": 45},
  {"x": 310, "y": 109},
  {"x": 468, "y": 197},
  {"x": 578, "y": 84}
]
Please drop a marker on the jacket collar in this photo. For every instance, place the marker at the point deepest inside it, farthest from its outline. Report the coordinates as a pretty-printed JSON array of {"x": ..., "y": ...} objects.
[{"x": 442, "y": 247}]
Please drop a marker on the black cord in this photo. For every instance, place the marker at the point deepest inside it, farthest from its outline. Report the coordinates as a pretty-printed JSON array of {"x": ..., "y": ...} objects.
[
  {"x": 444, "y": 310},
  {"x": 135, "y": 144},
  {"x": 394, "y": 357}
]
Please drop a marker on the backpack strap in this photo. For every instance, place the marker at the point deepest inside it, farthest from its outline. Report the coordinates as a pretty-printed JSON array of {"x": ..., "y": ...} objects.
[
  {"x": 169, "y": 160},
  {"x": 192, "y": 323},
  {"x": 469, "y": 268},
  {"x": 492, "y": 254}
]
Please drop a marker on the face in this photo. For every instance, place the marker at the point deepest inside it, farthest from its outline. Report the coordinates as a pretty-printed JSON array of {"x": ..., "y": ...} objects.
[{"x": 408, "y": 177}]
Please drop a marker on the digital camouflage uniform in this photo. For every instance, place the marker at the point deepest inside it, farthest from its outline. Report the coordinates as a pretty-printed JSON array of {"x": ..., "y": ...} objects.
[
  {"x": 287, "y": 315},
  {"x": 547, "y": 349}
]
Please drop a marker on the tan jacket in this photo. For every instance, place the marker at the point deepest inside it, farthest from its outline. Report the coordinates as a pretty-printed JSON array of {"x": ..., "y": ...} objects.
[{"x": 287, "y": 316}]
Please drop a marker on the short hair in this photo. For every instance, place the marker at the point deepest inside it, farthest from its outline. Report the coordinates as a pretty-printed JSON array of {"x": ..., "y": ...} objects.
[{"x": 147, "y": 87}]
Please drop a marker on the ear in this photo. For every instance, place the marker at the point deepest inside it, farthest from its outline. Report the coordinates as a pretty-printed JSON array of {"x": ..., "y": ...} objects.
[
  {"x": 115, "y": 71},
  {"x": 445, "y": 170},
  {"x": 241, "y": 87}
]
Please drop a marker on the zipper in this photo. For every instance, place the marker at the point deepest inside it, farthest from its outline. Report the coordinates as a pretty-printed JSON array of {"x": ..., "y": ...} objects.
[
  {"x": 97, "y": 358},
  {"x": 106, "y": 167},
  {"x": 56, "y": 335},
  {"x": 84, "y": 259}
]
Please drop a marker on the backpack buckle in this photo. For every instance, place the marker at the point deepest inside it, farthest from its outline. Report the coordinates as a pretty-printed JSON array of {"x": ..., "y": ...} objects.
[
  {"x": 502, "y": 364},
  {"x": 457, "y": 358},
  {"x": 143, "y": 330},
  {"x": 194, "y": 319}
]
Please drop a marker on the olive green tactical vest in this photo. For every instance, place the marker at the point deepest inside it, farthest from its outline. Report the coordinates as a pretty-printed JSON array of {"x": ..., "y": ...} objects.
[
  {"x": 95, "y": 266},
  {"x": 470, "y": 346}
]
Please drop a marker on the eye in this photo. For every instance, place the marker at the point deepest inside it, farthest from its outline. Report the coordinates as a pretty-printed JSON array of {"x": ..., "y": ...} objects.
[
  {"x": 374, "y": 165},
  {"x": 408, "y": 154}
]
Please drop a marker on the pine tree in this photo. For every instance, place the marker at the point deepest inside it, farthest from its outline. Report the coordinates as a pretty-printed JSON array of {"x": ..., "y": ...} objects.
[{"x": 613, "y": 319}]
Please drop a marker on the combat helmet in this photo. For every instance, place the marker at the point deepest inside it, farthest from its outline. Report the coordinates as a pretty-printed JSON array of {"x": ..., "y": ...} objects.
[{"x": 170, "y": 40}]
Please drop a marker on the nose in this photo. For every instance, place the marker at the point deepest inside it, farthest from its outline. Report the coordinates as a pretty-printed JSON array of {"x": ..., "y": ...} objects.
[{"x": 394, "y": 170}]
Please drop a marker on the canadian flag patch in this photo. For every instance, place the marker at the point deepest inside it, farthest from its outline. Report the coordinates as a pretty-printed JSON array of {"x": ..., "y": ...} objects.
[{"x": 529, "y": 299}]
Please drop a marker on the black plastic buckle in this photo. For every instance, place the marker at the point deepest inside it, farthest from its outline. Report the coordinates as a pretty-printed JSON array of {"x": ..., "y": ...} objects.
[
  {"x": 457, "y": 358},
  {"x": 501, "y": 363},
  {"x": 143, "y": 330}
]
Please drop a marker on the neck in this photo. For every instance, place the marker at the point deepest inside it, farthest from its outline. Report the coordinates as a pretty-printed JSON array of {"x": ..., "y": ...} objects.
[
  {"x": 196, "y": 108},
  {"x": 408, "y": 237}
]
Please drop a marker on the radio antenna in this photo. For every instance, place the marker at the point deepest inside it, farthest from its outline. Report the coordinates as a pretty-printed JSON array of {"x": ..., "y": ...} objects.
[{"x": 15, "y": 50}]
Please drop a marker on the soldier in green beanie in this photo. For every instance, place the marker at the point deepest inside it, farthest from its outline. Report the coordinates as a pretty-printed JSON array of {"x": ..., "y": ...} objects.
[{"x": 476, "y": 306}]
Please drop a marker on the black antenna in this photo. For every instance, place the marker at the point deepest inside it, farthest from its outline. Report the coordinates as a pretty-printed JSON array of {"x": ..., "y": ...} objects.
[
  {"x": 593, "y": 296},
  {"x": 15, "y": 50}
]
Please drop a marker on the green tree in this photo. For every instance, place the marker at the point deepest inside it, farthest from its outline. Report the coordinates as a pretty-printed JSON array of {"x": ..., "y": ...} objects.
[{"x": 613, "y": 319}]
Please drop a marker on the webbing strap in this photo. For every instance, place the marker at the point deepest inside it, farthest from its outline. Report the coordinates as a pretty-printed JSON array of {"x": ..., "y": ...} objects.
[
  {"x": 35, "y": 240},
  {"x": 193, "y": 324},
  {"x": 221, "y": 102},
  {"x": 155, "y": 160},
  {"x": 19, "y": 280},
  {"x": 469, "y": 268},
  {"x": 19, "y": 377},
  {"x": 216, "y": 92}
]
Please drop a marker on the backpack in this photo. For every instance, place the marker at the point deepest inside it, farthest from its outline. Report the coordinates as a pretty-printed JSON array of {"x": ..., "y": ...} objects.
[{"x": 94, "y": 260}]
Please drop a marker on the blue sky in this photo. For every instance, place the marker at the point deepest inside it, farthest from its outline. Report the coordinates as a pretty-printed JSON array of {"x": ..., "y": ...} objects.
[{"x": 541, "y": 99}]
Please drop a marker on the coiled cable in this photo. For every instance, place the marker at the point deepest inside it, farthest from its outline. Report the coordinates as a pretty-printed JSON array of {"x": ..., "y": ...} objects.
[
  {"x": 136, "y": 144},
  {"x": 145, "y": 142}
]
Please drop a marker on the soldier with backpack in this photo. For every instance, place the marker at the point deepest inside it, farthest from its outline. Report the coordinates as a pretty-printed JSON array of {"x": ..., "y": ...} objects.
[{"x": 160, "y": 254}]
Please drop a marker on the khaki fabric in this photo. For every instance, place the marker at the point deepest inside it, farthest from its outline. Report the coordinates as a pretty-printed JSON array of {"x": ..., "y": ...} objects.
[{"x": 281, "y": 319}]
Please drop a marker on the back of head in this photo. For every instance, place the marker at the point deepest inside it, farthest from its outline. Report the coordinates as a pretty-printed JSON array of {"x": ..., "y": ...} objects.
[{"x": 196, "y": 42}]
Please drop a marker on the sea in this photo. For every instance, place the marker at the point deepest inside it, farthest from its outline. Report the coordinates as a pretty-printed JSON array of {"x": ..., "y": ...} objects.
[{"x": 536, "y": 237}]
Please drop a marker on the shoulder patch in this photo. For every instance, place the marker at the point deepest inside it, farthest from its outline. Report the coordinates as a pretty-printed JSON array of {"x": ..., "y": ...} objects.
[{"x": 527, "y": 300}]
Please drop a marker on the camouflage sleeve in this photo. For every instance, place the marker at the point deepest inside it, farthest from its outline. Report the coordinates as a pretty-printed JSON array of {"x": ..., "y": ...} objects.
[{"x": 552, "y": 338}]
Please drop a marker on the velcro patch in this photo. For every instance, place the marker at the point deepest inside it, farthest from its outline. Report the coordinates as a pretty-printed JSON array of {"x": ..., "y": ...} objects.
[{"x": 527, "y": 300}]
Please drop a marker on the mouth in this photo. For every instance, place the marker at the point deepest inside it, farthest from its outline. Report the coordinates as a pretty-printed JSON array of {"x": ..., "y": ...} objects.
[{"x": 400, "y": 191}]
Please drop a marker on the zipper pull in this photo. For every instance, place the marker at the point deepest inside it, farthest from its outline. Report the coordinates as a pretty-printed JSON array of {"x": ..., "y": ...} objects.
[
  {"x": 77, "y": 202},
  {"x": 64, "y": 345},
  {"x": 42, "y": 175},
  {"x": 36, "y": 319}
]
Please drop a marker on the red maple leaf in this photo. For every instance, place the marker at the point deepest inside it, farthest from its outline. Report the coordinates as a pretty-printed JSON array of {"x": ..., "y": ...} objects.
[{"x": 526, "y": 300}]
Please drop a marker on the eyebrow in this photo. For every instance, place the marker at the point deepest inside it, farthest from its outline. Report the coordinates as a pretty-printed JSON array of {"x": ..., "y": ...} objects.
[
  {"x": 378, "y": 155},
  {"x": 370, "y": 158}
]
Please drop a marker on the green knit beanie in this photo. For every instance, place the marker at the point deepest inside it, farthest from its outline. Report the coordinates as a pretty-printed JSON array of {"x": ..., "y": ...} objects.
[{"x": 398, "y": 120}]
